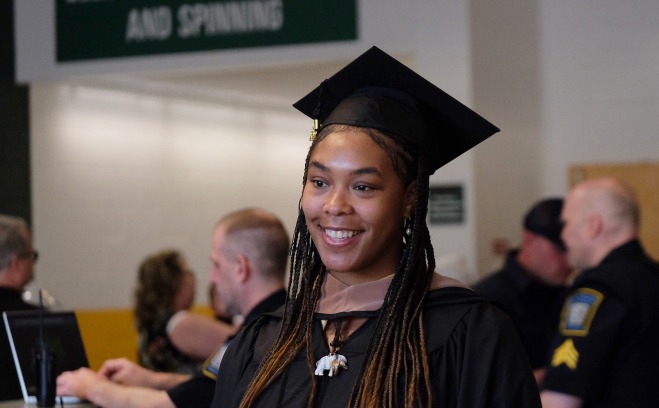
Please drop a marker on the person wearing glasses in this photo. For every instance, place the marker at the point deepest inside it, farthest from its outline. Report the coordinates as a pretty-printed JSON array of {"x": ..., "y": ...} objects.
[{"x": 17, "y": 259}]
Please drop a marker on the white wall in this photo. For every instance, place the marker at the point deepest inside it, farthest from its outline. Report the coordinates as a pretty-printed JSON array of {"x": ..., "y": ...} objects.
[
  {"x": 506, "y": 80},
  {"x": 118, "y": 175},
  {"x": 600, "y": 84}
]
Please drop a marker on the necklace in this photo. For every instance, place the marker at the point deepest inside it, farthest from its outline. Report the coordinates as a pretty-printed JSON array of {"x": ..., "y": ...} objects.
[{"x": 333, "y": 361}]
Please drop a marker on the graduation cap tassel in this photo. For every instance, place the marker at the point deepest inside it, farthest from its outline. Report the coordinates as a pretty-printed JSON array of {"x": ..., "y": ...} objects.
[
  {"x": 316, "y": 113},
  {"x": 314, "y": 131}
]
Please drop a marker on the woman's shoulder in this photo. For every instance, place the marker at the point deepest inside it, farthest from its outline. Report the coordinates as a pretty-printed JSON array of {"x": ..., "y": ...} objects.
[
  {"x": 259, "y": 334},
  {"x": 448, "y": 294},
  {"x": 457, "y": 311},
  {"x": 452, "y": 302}
]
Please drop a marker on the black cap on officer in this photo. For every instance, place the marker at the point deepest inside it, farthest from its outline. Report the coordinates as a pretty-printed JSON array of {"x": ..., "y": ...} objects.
[{"x": 544, "y": 219}]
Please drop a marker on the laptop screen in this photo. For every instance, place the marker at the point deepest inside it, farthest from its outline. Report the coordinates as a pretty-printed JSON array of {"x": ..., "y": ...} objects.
[{"x": 62, "y": 336}]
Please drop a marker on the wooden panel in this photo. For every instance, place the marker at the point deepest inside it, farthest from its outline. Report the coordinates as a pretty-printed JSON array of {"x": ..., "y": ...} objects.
[
  {"x": 110, "y": 333},
  {"x": 107, "y": 333},
  {"x": 643, "y": 177}
]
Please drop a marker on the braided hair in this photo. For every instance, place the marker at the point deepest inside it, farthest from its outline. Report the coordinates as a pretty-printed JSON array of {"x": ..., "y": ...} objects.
[{"x": 399, "y": 337}]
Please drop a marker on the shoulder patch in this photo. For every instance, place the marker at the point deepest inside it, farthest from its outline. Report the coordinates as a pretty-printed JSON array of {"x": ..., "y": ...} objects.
[
  {"x": 579, "y": 311},
  {"x": 212, "y": 364}
]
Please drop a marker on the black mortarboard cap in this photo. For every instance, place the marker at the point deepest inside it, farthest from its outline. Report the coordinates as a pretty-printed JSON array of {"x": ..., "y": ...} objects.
[
  {"x": 377, "y": 91},
  {"x": 544, "y": 219}
]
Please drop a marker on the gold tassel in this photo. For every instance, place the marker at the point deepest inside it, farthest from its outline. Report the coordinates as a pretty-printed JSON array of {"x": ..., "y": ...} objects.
[{"x": 314, "y": 131}]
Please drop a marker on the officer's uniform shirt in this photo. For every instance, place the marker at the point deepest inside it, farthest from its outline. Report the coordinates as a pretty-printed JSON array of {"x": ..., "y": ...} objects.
[
  {"x": 533, "y": 306},
  {"x": 607, "y": 348}
]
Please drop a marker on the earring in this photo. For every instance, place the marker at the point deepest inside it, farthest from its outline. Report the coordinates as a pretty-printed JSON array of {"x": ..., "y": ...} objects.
[{"x": 408, "y": 226}]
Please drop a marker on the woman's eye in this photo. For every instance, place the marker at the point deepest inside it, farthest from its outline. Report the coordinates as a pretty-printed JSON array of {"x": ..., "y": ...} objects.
[
  {"x": 362, "y": 187},
  {"x": 318, "y": 183}
]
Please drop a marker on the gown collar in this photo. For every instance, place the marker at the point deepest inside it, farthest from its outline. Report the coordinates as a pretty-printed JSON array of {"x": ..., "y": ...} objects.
[
  {"x": 338, "y": 298},
  {"x": 363, "y": 299}
]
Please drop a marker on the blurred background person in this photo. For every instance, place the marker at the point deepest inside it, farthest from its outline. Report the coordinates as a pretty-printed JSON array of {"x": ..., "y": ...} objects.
[
  {"x": 532, "y": 282},
  {"x": 170, "y": 337},
  {"x": 605, "y": 350},
  {"x": 17, "y": 259},
  {"x": 249, "y": 253}
]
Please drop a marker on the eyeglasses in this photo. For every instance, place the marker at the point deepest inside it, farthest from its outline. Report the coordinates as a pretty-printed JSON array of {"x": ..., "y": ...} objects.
[{"x": 32, "y": 255}]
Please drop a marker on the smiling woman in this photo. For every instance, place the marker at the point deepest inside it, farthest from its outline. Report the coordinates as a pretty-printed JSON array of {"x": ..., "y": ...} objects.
[
  {"x": 348, "y": 201},
  {"x": 365, "y": 303}
]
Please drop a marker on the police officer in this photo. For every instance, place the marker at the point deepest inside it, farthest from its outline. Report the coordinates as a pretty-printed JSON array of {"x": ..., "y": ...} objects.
[{"x": 605, "y": 351}]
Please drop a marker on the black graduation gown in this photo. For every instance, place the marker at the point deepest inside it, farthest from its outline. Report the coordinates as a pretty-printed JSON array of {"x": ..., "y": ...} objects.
[{"x": 474, "y": 353}]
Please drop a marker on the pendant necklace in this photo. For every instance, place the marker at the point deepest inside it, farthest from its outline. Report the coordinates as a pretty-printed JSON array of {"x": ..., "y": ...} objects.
[{"x": 333, "y": 361}]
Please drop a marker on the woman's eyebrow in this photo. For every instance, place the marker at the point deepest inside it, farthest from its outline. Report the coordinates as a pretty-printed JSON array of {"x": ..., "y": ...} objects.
[
  {"x": 319, "y": 166},
  {"x": 366, "y": 170},
  {"x": 363, "y": 170}
]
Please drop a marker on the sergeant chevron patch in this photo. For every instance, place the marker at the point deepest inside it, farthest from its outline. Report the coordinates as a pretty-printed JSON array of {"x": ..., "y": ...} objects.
[{"x": 566, "y": 354}]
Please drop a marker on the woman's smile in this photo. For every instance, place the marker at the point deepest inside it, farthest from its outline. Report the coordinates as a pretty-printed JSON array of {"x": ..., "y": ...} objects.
[{"x": 340, "y": 234}]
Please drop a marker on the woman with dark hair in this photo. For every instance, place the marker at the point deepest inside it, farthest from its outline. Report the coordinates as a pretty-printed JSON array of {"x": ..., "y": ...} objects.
[
  {"x": 368, "y": 322},
  {"x": 170, "y": 338}
]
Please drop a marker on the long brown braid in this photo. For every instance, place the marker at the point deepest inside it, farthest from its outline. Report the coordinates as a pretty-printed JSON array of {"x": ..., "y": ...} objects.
[{"x": 399, "y": 341}]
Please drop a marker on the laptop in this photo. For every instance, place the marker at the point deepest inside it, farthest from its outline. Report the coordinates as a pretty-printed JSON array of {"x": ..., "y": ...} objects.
[{"x": 62, "y": 336}]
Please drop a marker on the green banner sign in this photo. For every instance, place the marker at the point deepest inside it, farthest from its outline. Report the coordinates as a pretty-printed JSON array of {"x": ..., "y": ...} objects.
[{"x": 92, "y": 29}]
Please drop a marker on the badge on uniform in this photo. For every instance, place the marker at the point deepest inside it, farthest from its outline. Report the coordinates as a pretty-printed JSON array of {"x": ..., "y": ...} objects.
[
  {"x": 212, "y": 364},
  {"x": 579, "y": 311}
]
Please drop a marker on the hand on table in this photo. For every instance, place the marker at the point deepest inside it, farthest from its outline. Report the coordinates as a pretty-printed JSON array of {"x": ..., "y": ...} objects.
[
  {"x": 124, "y": 371},
  {"x": 78, "y": 383}
]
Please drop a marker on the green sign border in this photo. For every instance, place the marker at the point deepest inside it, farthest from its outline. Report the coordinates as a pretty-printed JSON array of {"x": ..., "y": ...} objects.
[{"x": 96, "y": 29}]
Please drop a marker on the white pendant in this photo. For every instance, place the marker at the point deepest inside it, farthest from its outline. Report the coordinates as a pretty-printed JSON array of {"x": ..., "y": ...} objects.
[{"x": 331, "y": 362}]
